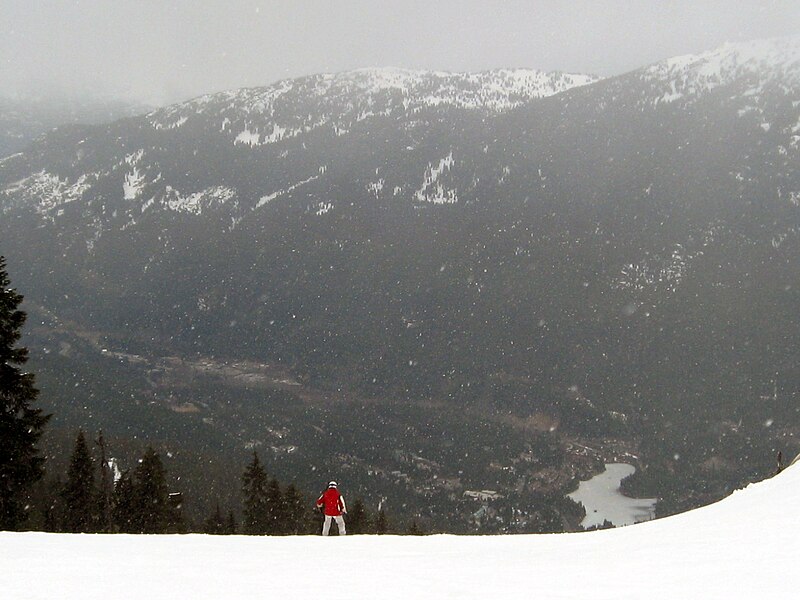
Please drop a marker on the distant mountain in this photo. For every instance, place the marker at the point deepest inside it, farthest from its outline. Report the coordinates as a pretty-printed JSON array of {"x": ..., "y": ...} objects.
[
  {"x": 23, "y": 119},
  {"x": 613, "y": 260},
  {"x": 756, "y": 66},
  {"x": 326, "y": 106}
]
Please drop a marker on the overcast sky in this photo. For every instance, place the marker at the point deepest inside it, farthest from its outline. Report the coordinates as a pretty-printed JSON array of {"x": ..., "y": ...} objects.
[{"x": 159, "y": 51}]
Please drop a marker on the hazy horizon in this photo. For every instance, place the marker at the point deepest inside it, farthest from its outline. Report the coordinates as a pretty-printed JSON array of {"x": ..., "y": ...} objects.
[{"x": 159, "y": 53}]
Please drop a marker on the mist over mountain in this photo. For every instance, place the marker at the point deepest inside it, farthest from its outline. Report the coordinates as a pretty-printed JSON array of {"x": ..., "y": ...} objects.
[
  {"x": 22, "y": 119},
  {"x": 410, "y": 266}
]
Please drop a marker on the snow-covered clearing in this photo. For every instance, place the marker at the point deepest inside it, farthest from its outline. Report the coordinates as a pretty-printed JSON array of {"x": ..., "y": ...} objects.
[{"x": 745, "y": 546}]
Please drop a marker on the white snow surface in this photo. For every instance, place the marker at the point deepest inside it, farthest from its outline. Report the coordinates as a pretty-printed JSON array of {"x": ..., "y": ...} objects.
[{"x": 745, "y": 546}]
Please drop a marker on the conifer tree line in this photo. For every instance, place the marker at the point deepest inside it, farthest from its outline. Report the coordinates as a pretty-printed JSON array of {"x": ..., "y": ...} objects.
[
  {"x": 93, "y": 500},
  {"x": 269, "y": 509}
]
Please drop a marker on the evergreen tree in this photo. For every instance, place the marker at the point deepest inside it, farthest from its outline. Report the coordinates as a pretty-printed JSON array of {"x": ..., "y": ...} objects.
[
  {"x": 294, "y": 510},
  {"x": 52, "y": 505},
  {"x": 21, "y": 426},
  {"x": 105, "y": 489},
  {"x": 123, "y": 509},
  {"x": 276, "y": 513},
  {"x": 382, "y": 522},
  {"x": 175, "y": 520},
  {"x": 141, "y": 502},
  {"x": 79, "y": 490},
  {"x": 230, "y": 524},
  {"x": 50, "y": 519},
  {"x": 357, "y": 518},
  {"x": 215, "y": 524},
  {"x": 254, "y": 490},
  {"x": 151, "y": 498},
  {"x": 414, "y": 528}
]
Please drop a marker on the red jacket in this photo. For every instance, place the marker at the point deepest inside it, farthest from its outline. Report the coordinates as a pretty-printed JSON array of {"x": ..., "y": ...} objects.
[{"x": 333, "y": 502}]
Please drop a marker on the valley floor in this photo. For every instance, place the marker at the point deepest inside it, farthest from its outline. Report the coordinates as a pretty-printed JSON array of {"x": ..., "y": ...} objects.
[{"x": 745, "y": 546}]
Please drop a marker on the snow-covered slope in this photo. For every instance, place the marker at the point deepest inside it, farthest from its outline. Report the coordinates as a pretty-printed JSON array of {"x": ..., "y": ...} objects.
[
  {"x": 756, "y": 63},
  {"x": 271, "y": 121},
  {"x": 742, "y": 547},
  {"x": 294, "y": 107},
  {"x": 494, "y": 90}
]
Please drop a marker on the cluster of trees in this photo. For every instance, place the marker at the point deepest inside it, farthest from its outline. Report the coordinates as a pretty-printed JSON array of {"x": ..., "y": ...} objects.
[
  {"x": 96, "y": 500},
  {"x": 270, "y": 510}
]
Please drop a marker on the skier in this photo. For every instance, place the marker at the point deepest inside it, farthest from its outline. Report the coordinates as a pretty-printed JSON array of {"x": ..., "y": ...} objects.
[{"x": 332, "y": 504}]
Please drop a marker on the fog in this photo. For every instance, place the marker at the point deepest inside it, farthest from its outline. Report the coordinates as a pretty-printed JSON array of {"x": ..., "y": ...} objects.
[{"x": 158, "y": 52}]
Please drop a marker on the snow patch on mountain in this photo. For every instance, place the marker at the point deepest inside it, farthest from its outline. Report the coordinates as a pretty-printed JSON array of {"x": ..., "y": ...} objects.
[
  {"x": 195, "y": 203},
  {"x": 268, "y": 115},
  {"x": 323, "y": 208},
  {"x": 758, "y": 62},
  {"x": 10, "y": 157},
  {"x": 779, "y": 238},
  {"x": 248, "y": 137},
  {"x": 656, "y": 273},
  {"x": 46, "y": 192},
  {"x": 375, "y": 187},
  {"x": 432, "y": 189},
  {"x": 169, "y": 125},
  {"x": 794, "y": 130},
  {"x": 134, "y": 157},
  {"x": 270, "y": 197},
  {"x": 134, "y": 178},
  {"x": 132, "y": 186},
  {"x": 496, "y": 90},
  {"x": 276, "y": 135}
]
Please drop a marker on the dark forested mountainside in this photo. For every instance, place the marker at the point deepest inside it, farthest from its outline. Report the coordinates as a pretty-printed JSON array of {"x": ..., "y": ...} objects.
[{"x": 542, "y": 259}]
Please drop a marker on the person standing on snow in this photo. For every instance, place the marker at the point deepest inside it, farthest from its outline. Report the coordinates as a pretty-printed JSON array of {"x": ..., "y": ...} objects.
[{"x": 332, "y": 504}]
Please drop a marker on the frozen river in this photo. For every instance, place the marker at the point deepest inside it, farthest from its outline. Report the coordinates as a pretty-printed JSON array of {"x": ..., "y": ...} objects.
[{"x": 602, "y": 499}]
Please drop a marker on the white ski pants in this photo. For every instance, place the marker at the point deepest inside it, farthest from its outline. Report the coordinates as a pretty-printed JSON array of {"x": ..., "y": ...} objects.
[{"x": 326, "y": 527}]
